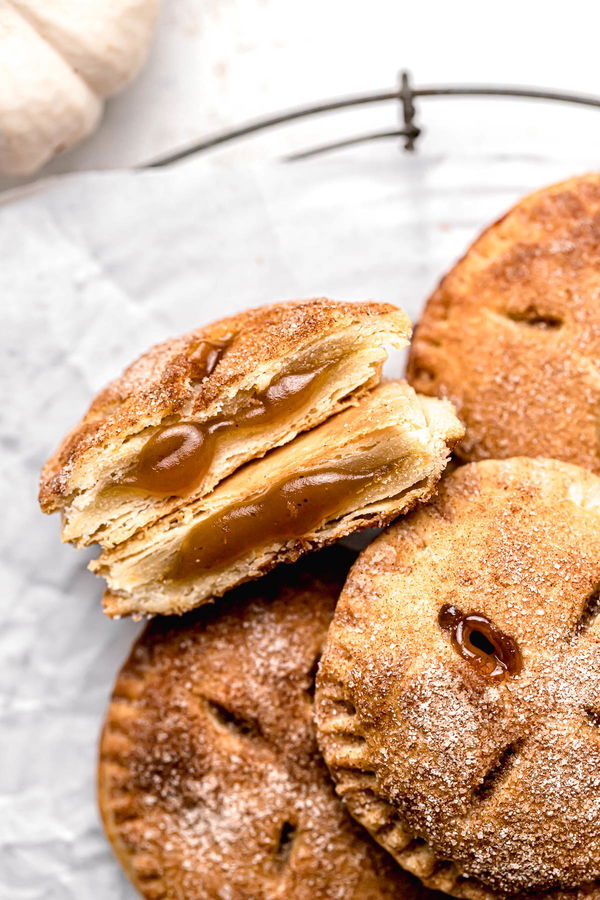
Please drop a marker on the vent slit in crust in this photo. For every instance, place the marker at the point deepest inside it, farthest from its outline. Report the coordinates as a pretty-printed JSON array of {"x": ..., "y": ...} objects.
[
  {"x": 589, "y": 613},
  {"x": 535, "y": 319},
  {"x": 498, "y": 773},
  {"x": 232, "y": 721},
  {"x": 285, "y": 844},
  {"x": 593, "y": 716}
]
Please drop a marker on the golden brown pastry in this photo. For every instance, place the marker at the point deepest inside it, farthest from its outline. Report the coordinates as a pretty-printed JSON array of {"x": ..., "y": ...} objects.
[
  {"x": 360, "y": 468},
  {"x": 210, "y": 783},
  {"x": 512, "y": 334},
  {"x": 458, "y": 698},
  {"x": 193, "y": 409}
]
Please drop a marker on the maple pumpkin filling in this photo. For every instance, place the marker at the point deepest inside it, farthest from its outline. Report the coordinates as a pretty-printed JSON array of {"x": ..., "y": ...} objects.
[
  {"x": 290, "y": 508},
  {"x": 176, "y": 458},
  {"x": 484, "y": 646}
]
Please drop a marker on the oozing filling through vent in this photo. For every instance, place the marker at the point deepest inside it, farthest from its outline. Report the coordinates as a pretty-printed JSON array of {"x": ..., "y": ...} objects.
[
  {"x": 205, "y": 356},
  {"x": 488, "y": 649},
  {"x": 176, "y": 458},
  {"x": 287, "y": 509}
]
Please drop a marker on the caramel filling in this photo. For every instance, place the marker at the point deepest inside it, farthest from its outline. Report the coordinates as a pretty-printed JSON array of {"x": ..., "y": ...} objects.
[
  {"x": 176, "y": 459},
  {"x": 205, "y": 356},
  {"x": 489, "y": 650},
  {"x": 288, "y": 509}
]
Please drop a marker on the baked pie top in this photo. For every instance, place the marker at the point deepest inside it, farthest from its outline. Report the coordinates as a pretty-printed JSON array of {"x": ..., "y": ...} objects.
[
  {"x": 193, "y": 409},
  {"x": 210, "y": 782},
  {"x": 512, "y": 333},
  {"x": 458, "y": 698}
]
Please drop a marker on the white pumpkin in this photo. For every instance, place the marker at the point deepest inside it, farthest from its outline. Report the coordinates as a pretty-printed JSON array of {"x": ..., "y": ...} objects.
[{"x": 59, "y": 59}]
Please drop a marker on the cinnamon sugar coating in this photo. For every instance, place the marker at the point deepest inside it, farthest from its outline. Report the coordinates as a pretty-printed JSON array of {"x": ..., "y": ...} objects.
[
  {"x": 512, "y": 334},
  {"x": 484, "y": 787},
  {"x": 166, "y": 380},
  {"x": 210, "y": 783}
]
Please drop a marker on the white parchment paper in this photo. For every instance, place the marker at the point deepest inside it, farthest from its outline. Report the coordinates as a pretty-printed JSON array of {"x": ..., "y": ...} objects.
[{"x": 93, "y": 269}]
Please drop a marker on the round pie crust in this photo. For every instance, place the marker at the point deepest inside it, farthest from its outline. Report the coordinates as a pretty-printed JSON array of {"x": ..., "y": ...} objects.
[
  {"x": 211, "y": 786},
  {"x": 482, "y": 787},
  {"x": 512, "y": 334}
]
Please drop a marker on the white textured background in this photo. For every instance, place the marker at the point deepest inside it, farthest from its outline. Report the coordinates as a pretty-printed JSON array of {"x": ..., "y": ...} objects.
[
  {"x": 96, "y": 267},
  {"x": 216, "y": 63}
]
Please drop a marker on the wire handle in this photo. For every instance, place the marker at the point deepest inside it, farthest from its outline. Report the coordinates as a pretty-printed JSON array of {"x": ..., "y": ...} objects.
[{"x": 406, "y": 94}]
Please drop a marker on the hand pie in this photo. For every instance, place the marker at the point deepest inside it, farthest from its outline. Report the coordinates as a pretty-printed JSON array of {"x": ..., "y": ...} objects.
[
  {"x": 512, "y": 334},
  {"x": 360, "y": 468},
  {"x": 193, "y": 409},
  {"x": 210, "y": 782},
  {"x": 458, "y": 699}
]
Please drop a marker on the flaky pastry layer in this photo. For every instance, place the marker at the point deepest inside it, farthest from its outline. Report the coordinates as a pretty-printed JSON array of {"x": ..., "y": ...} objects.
[
  {"x": 412, "y": 436},
  {"x": 178, "y": 382}
]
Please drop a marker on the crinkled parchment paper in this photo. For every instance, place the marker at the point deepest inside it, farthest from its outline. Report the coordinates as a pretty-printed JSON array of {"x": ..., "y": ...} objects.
[{"x": 94, "y": 268}]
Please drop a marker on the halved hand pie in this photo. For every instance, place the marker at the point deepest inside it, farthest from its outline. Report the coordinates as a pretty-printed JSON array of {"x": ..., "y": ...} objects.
[
  {"x": 360, "y": 468},
  {"x": 194, "y": 409},
  {"x": 512, "y": 334},
  {"x": 210, "y": 782},
  {"x": 458, "y": 699}
]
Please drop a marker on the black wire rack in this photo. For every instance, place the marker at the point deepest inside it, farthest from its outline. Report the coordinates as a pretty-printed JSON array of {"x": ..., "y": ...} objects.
[{"x": 405, "y": 96}]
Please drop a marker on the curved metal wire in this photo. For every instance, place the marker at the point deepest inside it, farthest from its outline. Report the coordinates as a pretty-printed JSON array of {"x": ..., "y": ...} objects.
[
  {"x": 256, "y": 125},
  {"x": 405, "y": 95},
  {"x": 352, "y": 142},
  {"x": 506, "y": 91}
]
